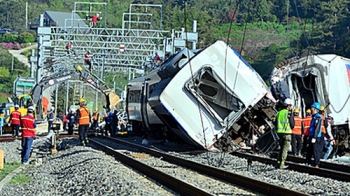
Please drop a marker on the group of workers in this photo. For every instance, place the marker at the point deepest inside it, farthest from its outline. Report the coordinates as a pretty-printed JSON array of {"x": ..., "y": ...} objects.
[{"x": 311, "y": 135}]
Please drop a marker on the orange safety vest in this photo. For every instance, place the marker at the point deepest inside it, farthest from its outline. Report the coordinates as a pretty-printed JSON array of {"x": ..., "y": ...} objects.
[
  {"x": 15, "y": 117},
  {"x": 84, "y": 115},
  {"x": 297, "y": 126},
  {"x": 95, "y": 116},
  {"x": 307, "y": 123},
  {"x": 28, "y": 126},
  {"x": 323, "y": 129}
]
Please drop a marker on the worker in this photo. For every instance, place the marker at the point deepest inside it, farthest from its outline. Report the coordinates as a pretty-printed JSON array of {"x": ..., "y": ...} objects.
[
  {"x": 306, "y": 127},
  {"x": 88, "y": 56},
  {"x": 95, "y": 119},
  {"x": 115, "y": 120},
  {"x": 316, "y": 136},
  {"x": 69, "y": 48},
  {"x": 2, "y": 115},
  {"x": 284, "y": 124},
  {"x": 28, "y": 134},
  {"x": 296, "y": 134},
  {"x": 50, "y": 118},
  {"x": 71, "y": 121},
  {"x": 94, "y": 19},
  {"x": 15, "y": 121},
  {"x": 65, "y": 121},
  {"x": 328, "y": 139},
  {"x": 280, "y": 90},
  {"x": 157, "y": 58},
  {"x": 83, "y": 118},
  {"x": 324, "y": 120}
]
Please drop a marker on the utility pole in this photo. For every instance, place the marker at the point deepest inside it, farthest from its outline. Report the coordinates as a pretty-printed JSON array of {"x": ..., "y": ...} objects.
[{"x": 26, "y": 14}]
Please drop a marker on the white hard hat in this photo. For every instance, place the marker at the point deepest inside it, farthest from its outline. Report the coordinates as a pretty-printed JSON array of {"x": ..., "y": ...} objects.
[
  {"x": 16, "y": 106},
  {"x": 288, "y": 101},
  {"x": 30, "y": 109},
  {"x": 330, "y": 116},
  {"x": 52, "y": 108}
]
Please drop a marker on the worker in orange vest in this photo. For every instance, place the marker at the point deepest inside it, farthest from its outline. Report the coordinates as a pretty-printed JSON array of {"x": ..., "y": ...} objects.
[
  {"x": 95, "y": 119},
  {"x": 15, "y": 121},
  {"x": 306, "y": 126},
  {"x": 83, "y": 119},
  {"x": 28, "y": 134},
  {"x": 324, "y": 120},
  {"x": 296, "y": 134}
]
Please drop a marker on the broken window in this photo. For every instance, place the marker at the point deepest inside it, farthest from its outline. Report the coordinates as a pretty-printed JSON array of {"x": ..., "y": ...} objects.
[{"x": 217, "y": 98}]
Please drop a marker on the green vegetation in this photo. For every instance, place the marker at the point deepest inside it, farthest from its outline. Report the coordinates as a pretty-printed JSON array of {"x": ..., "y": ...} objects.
[
  {"x": 9, "y": 71},
  {"x": 265, "y": 32},
  {"x": 8, "y": 168},
  {"x": 20, "y": 178}
]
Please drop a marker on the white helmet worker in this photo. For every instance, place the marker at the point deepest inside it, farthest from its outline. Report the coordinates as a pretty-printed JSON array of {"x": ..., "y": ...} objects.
[
  {"x": 16, "y": 106},
  {"x": 288, "y": 101}
]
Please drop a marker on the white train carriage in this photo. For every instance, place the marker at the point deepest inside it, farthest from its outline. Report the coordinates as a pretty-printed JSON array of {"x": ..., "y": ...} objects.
[
  {"x": 203, "y": 102},
  {"x": 323, "y": 78},
  {"x": 140, "y": 113}
]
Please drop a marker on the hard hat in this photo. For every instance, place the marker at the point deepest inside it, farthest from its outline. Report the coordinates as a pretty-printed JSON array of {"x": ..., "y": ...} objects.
[
  {"x": 97, "y": 14},
  {"x": 30, "y": 109},
  {"x": 52, "y": 108},
  {"x": 71, "y": 42},
  {"x": 96, "y": 109},
  {"x": 316, "y": 105},
  {"x": 330, "y": 116},
  {"x": 88, "y": 51},
  {"x": 322, "y": 108},
  {"x": 16, "y": 106},
  {"x": 81, "y": 100},
  {"x": 308, "y": 111},
  {"x": 296, "y": 110},
  {"x": 288, "y": 101}
]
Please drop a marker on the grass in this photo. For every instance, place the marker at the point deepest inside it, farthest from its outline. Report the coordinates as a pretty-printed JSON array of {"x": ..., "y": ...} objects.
[
  {"x": 9, "y": 167},
  {"x": 20, "y": 178}
]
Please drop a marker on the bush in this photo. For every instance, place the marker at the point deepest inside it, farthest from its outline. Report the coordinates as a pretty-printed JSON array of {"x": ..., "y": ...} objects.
[
  {"x": 26, "y": 37},
  {"x": 8, "y": 37}
]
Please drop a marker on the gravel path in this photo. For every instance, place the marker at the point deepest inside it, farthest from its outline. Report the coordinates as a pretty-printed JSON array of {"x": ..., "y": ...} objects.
[
  {"x": 211, "y": 185},
  {"x": 83, "y": 171}
]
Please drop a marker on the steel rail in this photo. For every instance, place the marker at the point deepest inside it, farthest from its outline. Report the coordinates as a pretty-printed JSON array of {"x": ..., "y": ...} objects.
[
  {"x": 322, "y": 172},
  {"x": 165, "y": 179},
  {"x": 249, "y": 183}
]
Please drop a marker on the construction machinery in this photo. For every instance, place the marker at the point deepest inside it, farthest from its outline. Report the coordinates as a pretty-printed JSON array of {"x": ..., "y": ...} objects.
[{"x": 35, "y": 96}]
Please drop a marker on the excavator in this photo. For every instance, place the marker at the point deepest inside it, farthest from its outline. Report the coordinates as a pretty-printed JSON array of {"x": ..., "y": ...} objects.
[{"x": 35, "y": 97}]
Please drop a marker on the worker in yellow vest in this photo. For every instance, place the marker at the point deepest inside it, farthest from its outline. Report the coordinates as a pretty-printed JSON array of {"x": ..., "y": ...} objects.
[
  {"x": 83, "y": 119},
  {"x": 284, "y": 126},
  {"x": 296, "y": 134}
]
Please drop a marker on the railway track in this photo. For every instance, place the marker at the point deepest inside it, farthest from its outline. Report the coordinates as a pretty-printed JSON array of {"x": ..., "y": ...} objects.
[
  {"x": 208, "y": 171},
  {"x": 328, "y": 170},
  {"x": 9, "y": 138}
]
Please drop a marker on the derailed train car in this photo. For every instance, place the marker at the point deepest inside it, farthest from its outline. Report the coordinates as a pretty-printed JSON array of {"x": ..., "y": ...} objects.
[
  {"x": 140, "y": 114},
  {"x": 215, "y": 101},
  {"x": 322, "y": 78}
]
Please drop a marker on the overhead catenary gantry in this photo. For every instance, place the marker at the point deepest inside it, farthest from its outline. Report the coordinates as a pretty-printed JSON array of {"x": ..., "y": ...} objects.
[{"x": 141, "y": 36}]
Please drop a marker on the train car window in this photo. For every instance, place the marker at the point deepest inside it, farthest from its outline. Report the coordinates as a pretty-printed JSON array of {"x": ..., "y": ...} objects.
[
  {"x": 135, "y": 96},
  {"x": 210, "y": 91}
]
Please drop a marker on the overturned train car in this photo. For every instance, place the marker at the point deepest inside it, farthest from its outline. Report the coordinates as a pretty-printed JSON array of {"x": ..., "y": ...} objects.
[
  {"x": 214, "y": 101},
  {"x": 140, "y": 114},
  {"x": 325, "y": 79}
]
